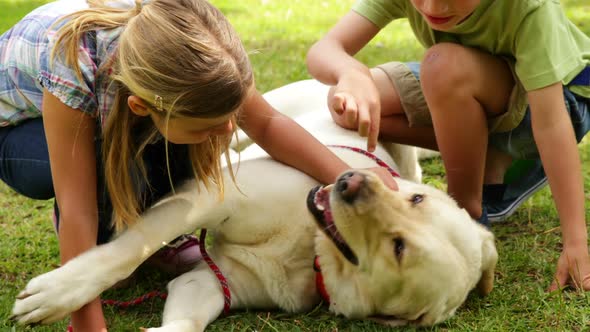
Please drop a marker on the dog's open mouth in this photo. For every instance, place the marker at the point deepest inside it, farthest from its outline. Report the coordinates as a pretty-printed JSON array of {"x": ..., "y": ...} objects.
[{"x": 318, "y": 203}]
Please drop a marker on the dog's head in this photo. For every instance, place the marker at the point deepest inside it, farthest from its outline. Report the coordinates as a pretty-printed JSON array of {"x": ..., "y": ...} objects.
[{"x": 399, "y": 257}]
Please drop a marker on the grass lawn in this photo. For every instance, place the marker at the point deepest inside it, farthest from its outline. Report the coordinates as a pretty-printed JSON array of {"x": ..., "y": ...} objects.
[{"x": 278, "y": 34}]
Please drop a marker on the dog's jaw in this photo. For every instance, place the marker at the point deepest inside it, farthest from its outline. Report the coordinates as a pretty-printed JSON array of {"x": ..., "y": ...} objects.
[{"x": 341, "y": 280}]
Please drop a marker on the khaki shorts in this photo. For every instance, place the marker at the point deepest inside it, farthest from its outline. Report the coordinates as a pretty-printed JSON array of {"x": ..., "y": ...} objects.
[
  {"x": 406, "y": 79},
  {"x": 510, "y": 132}
]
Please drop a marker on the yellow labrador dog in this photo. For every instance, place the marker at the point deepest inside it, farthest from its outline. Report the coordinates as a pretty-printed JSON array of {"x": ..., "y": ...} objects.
[{"x": 400, "y": 257}]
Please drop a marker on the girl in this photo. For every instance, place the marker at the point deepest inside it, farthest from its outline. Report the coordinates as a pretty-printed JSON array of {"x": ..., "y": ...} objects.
[{"x": 133, "y": 100}]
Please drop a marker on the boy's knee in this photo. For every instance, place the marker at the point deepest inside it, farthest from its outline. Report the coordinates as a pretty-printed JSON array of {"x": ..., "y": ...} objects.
[{"x": 442, "y": 70}]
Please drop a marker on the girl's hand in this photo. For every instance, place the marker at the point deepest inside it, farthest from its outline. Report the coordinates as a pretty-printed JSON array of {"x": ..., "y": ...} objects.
[
  {"x": 354, "y": 104},
  {"x": 89, "y": 318},
  {"x": 385, "y": 176},
  {"x": 573, "y": 268}
]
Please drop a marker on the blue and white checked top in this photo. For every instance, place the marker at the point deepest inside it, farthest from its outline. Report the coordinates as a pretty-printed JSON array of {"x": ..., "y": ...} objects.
[{"x": 25, "y": 68}]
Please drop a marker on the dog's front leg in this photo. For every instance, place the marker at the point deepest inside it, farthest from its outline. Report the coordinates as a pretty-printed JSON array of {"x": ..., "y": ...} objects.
[
  {"x": 53, "y": 295},
  {"x": 195, "y": 299}
]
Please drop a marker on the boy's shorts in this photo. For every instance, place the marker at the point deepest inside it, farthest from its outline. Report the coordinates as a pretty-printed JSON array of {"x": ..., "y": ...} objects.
[{"x": 510, "y": 132}]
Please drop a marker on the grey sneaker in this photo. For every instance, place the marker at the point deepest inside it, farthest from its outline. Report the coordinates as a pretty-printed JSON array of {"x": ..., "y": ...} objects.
[
  {"x": 483, "y": 219},
  {"x": 501, "y": 201}
]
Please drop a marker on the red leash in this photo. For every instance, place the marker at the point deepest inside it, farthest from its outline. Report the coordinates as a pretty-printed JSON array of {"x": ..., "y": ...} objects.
[
  {"x": 136, "y": 301},
  {"x": 366, "y": 153},
  {"x": 131, "y": 303},
  {"x": 162, "y": 295},
  {"x": 219, "y": 274},
  {"x": 217, "y": 271},
  {"x": 319, "y": 278}
]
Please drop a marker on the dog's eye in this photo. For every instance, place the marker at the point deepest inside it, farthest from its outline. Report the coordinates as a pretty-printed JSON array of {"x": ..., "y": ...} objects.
[
  {"x": 416, "y": 199},
  {"x": 399, "y": 246}
]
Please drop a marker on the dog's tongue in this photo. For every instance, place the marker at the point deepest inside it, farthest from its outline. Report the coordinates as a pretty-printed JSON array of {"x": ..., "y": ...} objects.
[{"x": 322, "y": 202}]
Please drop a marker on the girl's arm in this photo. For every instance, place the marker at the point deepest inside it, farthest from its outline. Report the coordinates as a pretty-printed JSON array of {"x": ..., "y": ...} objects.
[
  {"x": 558, "y": 149},
  {"x": 355, "y": 96},
  {"x": 286, "y": 141},
  {"x": 70, "y": 138},
  {"x": 289, "y": 143}
]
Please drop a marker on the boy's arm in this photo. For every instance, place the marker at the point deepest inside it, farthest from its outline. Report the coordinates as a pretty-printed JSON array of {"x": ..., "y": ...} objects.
[
  {"x": 331, "y": 61},
  {"x": 331, "y": 56},
  {"x": 558, "y": 149}
]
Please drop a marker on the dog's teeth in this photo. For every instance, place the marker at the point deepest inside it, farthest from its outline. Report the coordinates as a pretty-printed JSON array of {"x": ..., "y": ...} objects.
[{"x": 316, "y": 200}]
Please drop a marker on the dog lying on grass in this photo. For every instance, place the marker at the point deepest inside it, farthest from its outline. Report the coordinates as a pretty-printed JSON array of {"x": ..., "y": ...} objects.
[{"x": 398, "y": 257}]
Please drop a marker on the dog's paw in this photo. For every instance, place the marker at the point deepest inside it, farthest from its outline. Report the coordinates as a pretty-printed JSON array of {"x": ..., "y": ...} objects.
[
  {"x": 161, "y": 329},
  {"x": 183, "y": 325},
  {"x": 53, "y": 295}
]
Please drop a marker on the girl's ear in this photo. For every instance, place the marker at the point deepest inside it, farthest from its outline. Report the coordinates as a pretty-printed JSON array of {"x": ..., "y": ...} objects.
[{"x": 138, "y": 106}]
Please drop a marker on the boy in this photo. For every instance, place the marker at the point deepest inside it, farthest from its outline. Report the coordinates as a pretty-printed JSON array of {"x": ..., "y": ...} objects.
[{"x": 501, "y": 80}]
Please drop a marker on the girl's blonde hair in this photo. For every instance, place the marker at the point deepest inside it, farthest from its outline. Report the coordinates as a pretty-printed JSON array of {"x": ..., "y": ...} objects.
[{"x": 184, "y": 59}]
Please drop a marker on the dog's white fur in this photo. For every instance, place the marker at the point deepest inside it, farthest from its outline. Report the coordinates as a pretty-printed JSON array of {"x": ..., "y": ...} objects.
[{"x": 419, "y": 255}]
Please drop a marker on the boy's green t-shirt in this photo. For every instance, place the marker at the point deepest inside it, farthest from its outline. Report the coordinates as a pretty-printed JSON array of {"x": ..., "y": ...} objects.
[{"x": 543, "y": 45}]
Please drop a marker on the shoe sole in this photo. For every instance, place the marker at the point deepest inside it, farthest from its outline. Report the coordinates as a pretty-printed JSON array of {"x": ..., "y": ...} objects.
[{"x": 508, "y": 211}]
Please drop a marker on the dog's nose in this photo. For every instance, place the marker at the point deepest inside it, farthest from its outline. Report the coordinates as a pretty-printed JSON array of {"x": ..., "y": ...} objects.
[{"x": 348, "y": 185}]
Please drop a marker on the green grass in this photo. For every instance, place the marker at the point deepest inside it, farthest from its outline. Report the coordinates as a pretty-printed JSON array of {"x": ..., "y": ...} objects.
[{"x": 278, "y": 34}]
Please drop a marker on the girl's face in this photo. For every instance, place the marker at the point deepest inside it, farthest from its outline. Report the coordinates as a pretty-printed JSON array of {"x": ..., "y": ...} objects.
[
  {"x": 183, "y": 130},
  {"x": 442, "y": 15},
  {"x": 193, "y": 130}
]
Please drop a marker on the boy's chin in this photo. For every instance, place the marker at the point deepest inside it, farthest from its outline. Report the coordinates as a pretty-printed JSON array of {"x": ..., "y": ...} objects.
[{"x": 442, "y": 28}]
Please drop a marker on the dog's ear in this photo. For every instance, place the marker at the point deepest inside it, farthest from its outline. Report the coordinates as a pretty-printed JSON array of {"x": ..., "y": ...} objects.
[{"x": 488, "y": 264}]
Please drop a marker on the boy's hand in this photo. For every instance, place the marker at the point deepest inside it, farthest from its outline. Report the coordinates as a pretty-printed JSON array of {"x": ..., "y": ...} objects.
[
  {"x": 573, "y": 268},
  {"x": 355, "y": 104}
]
